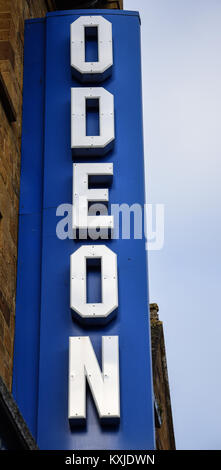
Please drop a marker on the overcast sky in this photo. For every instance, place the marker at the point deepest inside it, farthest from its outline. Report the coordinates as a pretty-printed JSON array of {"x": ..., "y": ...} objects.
[{"x": 181, "y": 60}]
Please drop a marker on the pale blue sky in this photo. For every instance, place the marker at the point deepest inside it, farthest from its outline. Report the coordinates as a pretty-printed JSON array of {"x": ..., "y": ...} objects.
[{"x": 181, "y": 60}]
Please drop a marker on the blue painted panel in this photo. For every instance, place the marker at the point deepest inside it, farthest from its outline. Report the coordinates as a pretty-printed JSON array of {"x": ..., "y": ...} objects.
[
  {"x": 26, "y": 345},
  {"x": 28, "y": 297},
  {"x": 136, "y": 429},
  {"x": 33, "y": 118},
  {"x": 131, "y": 324}
]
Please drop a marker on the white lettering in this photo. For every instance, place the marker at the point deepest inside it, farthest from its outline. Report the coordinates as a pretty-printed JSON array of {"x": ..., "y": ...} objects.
[
  {"x": 104, "y": 385},
  {"x": 97, "y": 70},
  {"x": 86, "y": 145},
  {"x": 82, "y": 195},
  {"x": 103, "y": 311}
]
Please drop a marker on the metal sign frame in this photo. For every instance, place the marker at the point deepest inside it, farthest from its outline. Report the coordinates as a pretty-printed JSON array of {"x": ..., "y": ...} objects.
[{"x": 43, "y": 317}]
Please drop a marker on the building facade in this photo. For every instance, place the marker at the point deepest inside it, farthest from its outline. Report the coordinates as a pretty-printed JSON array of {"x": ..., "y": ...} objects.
[
  {"x": 164, "y": 432},
  {"x": 12, "y": 17}
]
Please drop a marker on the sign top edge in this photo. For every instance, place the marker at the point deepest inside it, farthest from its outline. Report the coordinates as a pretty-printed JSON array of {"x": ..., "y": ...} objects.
[
  {"x": 106, "y": 12},
  {"x": 97, "y": 12}
]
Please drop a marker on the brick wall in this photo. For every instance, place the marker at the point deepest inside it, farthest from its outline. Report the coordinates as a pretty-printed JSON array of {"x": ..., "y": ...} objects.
[
  {"x": 12, "y": 16},
  {"x": 164, "y": 423}
]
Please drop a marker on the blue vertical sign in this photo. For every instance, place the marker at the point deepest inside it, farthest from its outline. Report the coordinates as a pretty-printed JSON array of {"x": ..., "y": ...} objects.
[{"x": 44, "y": 319}]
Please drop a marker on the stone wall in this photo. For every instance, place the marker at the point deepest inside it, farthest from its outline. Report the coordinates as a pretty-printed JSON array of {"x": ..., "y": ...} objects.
[
  {"x": 163, "y": 413},
  {"x": 12, "y": 16}
]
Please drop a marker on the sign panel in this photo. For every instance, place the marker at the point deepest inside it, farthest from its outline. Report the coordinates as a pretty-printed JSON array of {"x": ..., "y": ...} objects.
[{"x": 82, "y": 369}]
